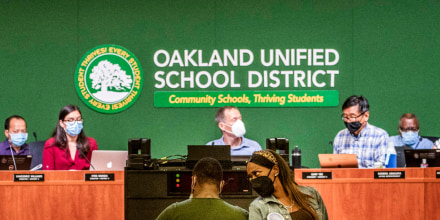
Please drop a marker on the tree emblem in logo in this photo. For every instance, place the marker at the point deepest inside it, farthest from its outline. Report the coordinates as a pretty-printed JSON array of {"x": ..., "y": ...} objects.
[{"x": 108, "y": 78}]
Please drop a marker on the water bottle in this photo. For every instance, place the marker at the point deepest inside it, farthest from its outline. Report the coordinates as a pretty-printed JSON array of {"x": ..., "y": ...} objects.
[
  {"x": 391, "y": 156},
  {"x": 296, "y": 157},
  {"x": 424, "y": 164}
]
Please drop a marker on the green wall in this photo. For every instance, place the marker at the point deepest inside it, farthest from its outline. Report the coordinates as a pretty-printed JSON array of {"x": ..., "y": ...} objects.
[{"x": 388, "y": 52}]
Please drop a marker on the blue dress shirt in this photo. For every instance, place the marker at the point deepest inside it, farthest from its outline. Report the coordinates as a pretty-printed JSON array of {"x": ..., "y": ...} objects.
[
  {"x": 424, "y": 143},
  {"x": 247, "y": 146}
]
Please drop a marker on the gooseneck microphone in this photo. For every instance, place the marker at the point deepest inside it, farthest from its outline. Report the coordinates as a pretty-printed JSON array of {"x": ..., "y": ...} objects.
[
  {"x": 13, "y": 158},
  {"x": 82, "y": 154},
  {"x": 35, "y": 136}
]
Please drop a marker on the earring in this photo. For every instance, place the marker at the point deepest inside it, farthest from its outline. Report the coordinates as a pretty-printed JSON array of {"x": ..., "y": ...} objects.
[{"x": 276, "y": 174}]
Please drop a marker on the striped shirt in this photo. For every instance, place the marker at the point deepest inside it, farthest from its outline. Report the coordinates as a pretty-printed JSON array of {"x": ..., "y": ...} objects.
[{"x": 369, "y": 146}]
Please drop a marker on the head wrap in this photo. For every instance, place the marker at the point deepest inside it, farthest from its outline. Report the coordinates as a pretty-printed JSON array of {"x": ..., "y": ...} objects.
[{"x": 264, "y": 158}]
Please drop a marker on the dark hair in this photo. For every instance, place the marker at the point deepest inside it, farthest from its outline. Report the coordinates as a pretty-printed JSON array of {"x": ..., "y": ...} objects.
[
  {"x": 60, "y": 134},
  {"x": 220, "y": 115},
  {"x": 8, "y": 120},
  {"x": 354, "y": 100},
  {"x": 290, "y": 187},
  {"x": 208, "y": 170},
  {"x": 409, "y": 116}
]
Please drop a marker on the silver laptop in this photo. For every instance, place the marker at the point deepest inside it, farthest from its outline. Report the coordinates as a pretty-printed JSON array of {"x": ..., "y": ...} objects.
[{"x": 108, "y": 160}]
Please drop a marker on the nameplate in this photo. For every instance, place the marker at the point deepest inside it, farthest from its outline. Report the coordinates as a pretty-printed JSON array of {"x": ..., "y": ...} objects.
[
  {"x": 99, "y": 177},
  {"x": 438, "y": 174},
  {"x": 28, "y": 177},
  {"x": 389, "y": 174},
  {"x": 317, "y": 175}
]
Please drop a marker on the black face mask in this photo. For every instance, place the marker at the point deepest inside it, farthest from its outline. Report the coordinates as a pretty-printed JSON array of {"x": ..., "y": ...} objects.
[
  {"x": 353, "y": 126},
  {"x": 263, "y": 185}
]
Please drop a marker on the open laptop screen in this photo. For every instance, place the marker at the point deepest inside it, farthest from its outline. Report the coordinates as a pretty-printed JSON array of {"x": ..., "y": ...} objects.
[
  {"x": 23, "y": 162},
  {"x": 222, "y": 153},
  {"x": 413, "y": 158},
  {"x": 108, "y": 160},
  {"x": 338, "y": 160}
]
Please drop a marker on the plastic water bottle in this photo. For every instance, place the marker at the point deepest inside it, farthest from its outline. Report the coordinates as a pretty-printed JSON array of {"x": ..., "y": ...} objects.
[
  {"x": 391, "y": 156},
  {"x": 296, "y": 157}
]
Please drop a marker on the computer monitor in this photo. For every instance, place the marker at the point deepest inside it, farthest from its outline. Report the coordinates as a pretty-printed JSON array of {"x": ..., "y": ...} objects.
[
  {"x": 23, "y": 162},
  {"x": 414, "y": 158},
  {"x": 280, "y": 145},
  {"x": 222, "y": 153}
]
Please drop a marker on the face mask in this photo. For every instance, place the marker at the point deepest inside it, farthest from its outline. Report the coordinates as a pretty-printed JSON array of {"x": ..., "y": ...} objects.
[
  {"x": 74, "y": 128},
  {"x": 237, "y": 128},
  {"x": 410, "y": 137},
  {"x": 18, "y": 139},
  {"x": 353, "y": 126},
  {"x": 263, "y": 185}
]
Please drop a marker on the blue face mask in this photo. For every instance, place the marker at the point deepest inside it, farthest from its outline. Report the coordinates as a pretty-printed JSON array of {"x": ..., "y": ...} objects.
[
  {"x": 410, "y": 137},
  {"x": 18, "y": 139},
  {"x": 74, "y": 128}
]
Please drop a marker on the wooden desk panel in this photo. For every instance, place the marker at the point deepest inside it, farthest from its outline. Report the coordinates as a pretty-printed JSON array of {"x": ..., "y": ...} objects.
[
  {"x": 63, "y": 195},
  {"x": 355, "y": 194},
  {"x": 432, "y": 194}
]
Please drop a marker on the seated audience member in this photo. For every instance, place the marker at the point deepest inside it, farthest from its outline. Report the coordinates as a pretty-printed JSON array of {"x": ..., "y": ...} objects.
[
  {"x": 409, "y": 134},
  {"x": 204, "y": 202},
  {"x": 368, "y": 142},
  {"x": 229, "y": 121},
  {"x": 16, "y": 136},
  {"x": 280, "y": 196},
  {"x": 69, "y": 148}
]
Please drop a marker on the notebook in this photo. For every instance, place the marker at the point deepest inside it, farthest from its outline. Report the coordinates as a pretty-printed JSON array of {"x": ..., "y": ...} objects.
[
  {"x": 220, "y": 152},
  {"x": 413, "y": 158},
  {"x": 23, "y": 162},
  {"x": 108, "y": 160},
  {"x": 338, "y": 160}
]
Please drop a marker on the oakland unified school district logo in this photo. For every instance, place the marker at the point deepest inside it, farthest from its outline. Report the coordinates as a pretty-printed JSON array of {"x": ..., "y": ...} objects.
[{"x": 108, "y": 78}]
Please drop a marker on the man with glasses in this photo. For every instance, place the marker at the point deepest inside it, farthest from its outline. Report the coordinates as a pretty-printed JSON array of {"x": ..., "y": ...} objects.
[
  {"x": 16, "y": 136},
  {"x": 368, "y": 142},
  {"x": 409, "y": 134}
]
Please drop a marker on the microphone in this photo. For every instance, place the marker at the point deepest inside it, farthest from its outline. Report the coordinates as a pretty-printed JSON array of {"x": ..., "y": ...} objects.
[
  {"x": 82, "y": 154},
  {"x": 13, "y": 158},
  {"x": 35, "y": 136},
  {"x": 37, "y": 167}
]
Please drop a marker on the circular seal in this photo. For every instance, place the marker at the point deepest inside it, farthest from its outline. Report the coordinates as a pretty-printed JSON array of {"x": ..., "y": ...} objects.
[
  {"x": 274, "y": 216},
  {"x": 108, "y": 78}
]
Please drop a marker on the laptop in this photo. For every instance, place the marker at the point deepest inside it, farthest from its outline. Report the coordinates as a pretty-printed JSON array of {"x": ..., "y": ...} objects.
[
  {"x": 220, "y": 152},
  {"x": 240, "y": 160},
  {"x": 23, "y": 162},
  {"x": 413, "y": 158},
  {"x": 338, "y": 160},
  {"x": 108, "y": 160}
]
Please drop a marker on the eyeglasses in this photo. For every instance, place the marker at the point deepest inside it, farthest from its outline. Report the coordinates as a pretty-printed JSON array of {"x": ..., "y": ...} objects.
[
  {"x": 351, "y": 117},
  {"x": 408, "y": 129},
  {"x": 73, "y": 120}
]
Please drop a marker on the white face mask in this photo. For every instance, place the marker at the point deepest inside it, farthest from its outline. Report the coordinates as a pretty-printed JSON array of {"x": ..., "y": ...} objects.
[{"x": 237, "y": 128}]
